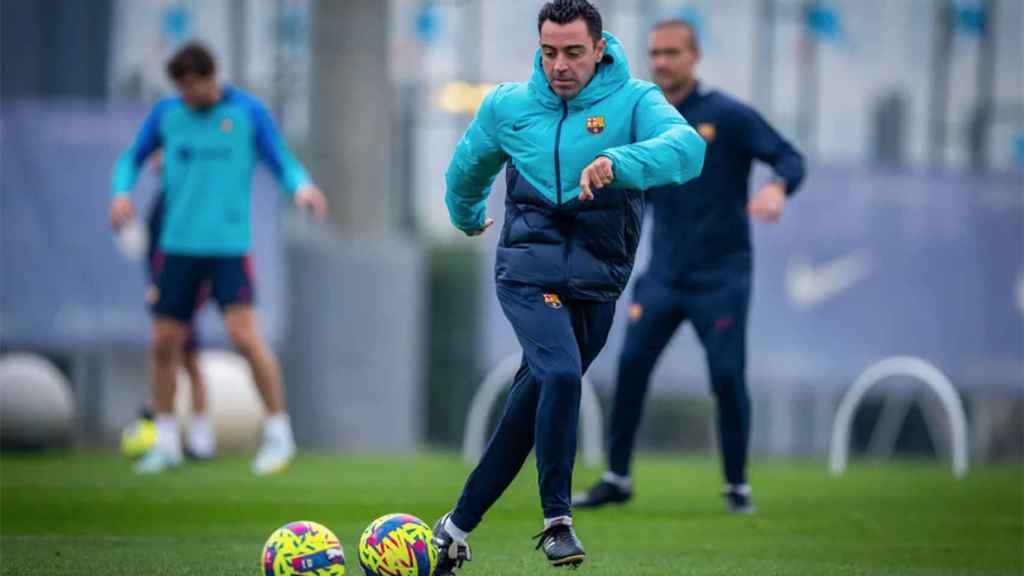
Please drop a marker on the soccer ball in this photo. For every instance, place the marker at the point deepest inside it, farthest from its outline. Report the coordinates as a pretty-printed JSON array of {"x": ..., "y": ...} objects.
[
  {"x": 302, "y": 548},
  {"x": 138, "y": 438},
  {"x": 397, "y": 545}
]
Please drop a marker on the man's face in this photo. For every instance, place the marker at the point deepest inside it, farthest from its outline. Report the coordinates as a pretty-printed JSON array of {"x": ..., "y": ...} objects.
[
  {"x": 569, "y": 56},
  {"x": 673, "y": 58},
  {"x": 198, "y": 92}
]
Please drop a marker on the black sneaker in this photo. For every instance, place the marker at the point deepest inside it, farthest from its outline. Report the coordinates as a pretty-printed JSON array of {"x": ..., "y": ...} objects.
[
  {"x": 602, "y": 493},
  {"x": 737, "y": 500},
  {"x": 561, "y": 546},
  {"x": 195, "y": 456},
  {"x": 450, "y": 554}
]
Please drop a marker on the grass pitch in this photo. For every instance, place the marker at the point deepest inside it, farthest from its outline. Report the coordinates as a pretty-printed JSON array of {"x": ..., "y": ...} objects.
[{"x": 85, "y": 513}]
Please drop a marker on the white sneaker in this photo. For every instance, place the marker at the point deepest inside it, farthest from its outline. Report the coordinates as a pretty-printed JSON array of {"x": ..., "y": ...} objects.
[
  {"x": 157, "y": 460},
  {"x": 201, "y": 444},
  {"x": 199, "y": 451},
  {"x": 273, "y": 457}
]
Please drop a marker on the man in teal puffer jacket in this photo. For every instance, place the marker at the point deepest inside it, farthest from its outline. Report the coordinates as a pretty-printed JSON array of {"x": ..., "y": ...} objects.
[{"x": 579, "y": 142}]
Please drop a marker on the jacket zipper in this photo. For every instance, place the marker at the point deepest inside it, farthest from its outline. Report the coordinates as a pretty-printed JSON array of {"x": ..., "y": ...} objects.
[
  {"x": 558, "y": 188},
  {"x": 558, "y": 139}
]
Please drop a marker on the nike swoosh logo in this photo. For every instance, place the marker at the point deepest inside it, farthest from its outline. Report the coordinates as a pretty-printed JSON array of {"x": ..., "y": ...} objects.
[
  {"x": 810, "y": 286},
  {"x": 518, "y": 126}
]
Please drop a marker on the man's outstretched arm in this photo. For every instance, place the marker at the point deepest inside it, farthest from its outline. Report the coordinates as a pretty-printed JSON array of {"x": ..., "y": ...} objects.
[
  {"x": 477, "y": 160},
  {"x": 667, "y": 149}
]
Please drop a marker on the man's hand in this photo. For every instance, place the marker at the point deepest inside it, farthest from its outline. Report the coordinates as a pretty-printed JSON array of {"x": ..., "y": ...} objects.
[
  {"x": 121, "y": 211},
  {"x": 598, "y": 175},
  {"x": 768, "y": 203},
  {"x": 312, "y": 199},
  {"x": 487, "y": 224}
]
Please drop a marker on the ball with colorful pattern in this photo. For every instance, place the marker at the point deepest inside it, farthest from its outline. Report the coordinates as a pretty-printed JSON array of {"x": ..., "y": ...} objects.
[
  {"x": 302, "y": 548},
  {"x": 397, "y": 545},
  {"x": 138, "y": 438}
]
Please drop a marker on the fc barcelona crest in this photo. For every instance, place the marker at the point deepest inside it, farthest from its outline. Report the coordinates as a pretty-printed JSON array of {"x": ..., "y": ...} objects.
[
  {"x": 595, "y": 124},
  {"x": 553, "y": 301},
  {"x": 706, "y": 131}
]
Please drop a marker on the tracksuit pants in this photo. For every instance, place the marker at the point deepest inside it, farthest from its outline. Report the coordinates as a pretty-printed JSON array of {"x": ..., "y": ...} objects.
[
  {"x": 719, "y": 315},
  {"x": 560, "y": 338}
]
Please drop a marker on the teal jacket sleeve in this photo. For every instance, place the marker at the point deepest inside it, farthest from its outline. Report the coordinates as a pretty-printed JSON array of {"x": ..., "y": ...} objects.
[
  {"x": 478, "y": 159},
  {"x": 147, "y": 141},
  {"x": 275, "y": 153},
  {"x": 667, "y": 149}
]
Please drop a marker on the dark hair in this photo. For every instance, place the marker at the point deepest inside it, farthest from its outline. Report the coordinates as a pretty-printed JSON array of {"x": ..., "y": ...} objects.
[
  {"x": 192, "y": 58},
  {"x": 566, "y": 11},
  {"x": 680, "y": 23}
]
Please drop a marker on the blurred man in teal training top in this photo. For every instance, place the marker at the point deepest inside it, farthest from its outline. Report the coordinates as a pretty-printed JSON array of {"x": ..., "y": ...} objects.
[
  {"x": 211, "y": 136},
  {"x": 579, "y": 142}
]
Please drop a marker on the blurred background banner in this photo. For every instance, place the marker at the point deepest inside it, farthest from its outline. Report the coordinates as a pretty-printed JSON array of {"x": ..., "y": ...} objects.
[
  {"x": 907, "y": 238},
  {"x": 865, "y": 264}
]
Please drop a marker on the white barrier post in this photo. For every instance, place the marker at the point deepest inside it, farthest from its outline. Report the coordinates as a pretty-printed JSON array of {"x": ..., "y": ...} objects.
[
  {"x": 487, "y": 395},
  {"x": 900, "y": 366}
]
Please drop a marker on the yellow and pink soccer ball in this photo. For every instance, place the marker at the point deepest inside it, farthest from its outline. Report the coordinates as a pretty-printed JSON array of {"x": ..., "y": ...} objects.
[
  {"x": 138, "y": 438},
  {"x": 397, "y": 545},
  {"x": 302, "y": 548}
]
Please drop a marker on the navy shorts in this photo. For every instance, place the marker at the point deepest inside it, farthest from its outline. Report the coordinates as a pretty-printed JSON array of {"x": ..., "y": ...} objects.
[
  {"x": 183, "y": 283},
  {"x": 155, "y": 226}
]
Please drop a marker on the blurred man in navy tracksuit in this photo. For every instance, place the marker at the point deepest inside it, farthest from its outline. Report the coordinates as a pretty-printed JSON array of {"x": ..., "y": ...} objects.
[{"x": 701, "y": 264}]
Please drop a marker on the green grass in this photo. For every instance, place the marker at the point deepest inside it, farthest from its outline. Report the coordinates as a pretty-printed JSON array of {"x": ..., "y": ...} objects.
[{"x": 85, "y": 513}]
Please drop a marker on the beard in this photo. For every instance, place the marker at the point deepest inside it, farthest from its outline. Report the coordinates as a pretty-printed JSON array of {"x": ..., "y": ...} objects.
[
  {"x": 670, "y": 83},
  {"x": 569, "y": 86}
]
